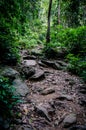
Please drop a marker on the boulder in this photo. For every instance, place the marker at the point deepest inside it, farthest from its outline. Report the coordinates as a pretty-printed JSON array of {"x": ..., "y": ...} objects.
[
  {"x": 10, "y": 73},
  {"x": 36, "y": 52},
  {"x": 52, "y": 64},
  {"x": 69, "y": 120},
  {"x": 21, "y": 87},
  {"x": 28, "y": 71},
  {"x": 39, "y": 75},
  {"x": 30, "y": 63}
]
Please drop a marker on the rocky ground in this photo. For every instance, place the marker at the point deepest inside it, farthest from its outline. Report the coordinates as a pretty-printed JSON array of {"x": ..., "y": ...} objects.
[{"x": 52, "y": 98}]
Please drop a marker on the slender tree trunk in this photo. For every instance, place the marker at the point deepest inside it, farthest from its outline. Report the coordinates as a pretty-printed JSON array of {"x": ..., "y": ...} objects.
[
  {"x": 59, "y": 12},
  {"x": 48, "y": 29}
]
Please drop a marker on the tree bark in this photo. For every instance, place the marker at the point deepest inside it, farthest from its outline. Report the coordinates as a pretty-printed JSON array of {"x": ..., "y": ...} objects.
[
  {"x": 59, "y": 12},
  {"x": 48, "y": 28}
]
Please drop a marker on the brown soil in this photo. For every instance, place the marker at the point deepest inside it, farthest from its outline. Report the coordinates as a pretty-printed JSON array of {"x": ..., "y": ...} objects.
[{"x": 64, "y": 83}]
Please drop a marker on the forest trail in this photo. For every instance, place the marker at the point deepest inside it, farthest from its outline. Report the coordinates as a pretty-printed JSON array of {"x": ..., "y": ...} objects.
[{"x": 56, "y": 99}]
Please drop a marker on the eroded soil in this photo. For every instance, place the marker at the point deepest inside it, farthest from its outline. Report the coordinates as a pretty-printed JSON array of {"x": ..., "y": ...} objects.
[{"x": 50, "y": 100}]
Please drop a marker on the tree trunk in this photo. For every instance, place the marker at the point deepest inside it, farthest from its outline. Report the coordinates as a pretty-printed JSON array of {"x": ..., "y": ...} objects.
[
  {"x": 48, "y": 29},
  {"x": 59, "y": 12}
]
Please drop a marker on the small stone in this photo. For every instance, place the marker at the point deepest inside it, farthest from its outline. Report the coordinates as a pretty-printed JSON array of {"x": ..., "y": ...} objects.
[
  {"x": 42, "y": 112},
  {"x": 69, "y": 120},
  {"x": 83, "y": 102},
  {"x": 56, "y": 123},
  {"x": 48, "y": 91},
  {"x": 65, "y": 97},
  {"x": 59, "y": 104},
  {"x": 71, "y": 82}
]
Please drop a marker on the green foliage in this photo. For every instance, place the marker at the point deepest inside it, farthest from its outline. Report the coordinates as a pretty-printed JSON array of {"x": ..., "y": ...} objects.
[
  {"x": 77, "y": 65},
  {"x": 76, "y": 40},
  {"x": 73, "y": 60},
  {"x": 73, "y": 39},
  {"x": 7, "y": 97},
  {"x": 8, "y": 45}
]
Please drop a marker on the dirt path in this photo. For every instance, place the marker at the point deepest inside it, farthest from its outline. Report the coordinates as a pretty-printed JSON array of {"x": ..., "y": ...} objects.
[{"x": 55, "y": 102}]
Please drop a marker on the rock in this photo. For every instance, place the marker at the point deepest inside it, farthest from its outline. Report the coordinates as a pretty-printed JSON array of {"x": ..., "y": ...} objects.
[
  {"x": 82, "y": 87},
  {"x": 48, "y": 91},
  {"x": 62, "y": 63},
  {"x": 22, "y": 127},
  {"x": 71, "y": 82},
  {"x": 52, "y": 64},
  {"x": 28, "y": 71},
  {"x": 21, "y": 87},
  {"x": 42, "y": 112},
  {"x": 83, "y": 91},
  {"x": 82, "y": 102},
  {"x": 42, "y": 64},
  {"x": 29, "y": 57},
  {"x": 59, "y": 104},
  {"x": 56, "y": 123},
  {"x": 10, "y": 73},
  {"x": 36, "y": 52},
  {"x": 69, "y": 120},
  {"x": 39, "y": 75},
  {"x": 78, "y": 127},
  {"x": 65, "y": 97},
  {"x": 29, "y": 63}
]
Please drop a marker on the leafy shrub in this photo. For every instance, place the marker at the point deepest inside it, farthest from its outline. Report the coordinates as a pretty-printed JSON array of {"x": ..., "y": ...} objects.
[
  {"x": 8, "y": 45},
  {"x": 76, "y": 40},
  {"x": 72, "y": 38},
  {"x": 73, "y": 63},
  {"x": 7, "y": 98},
  {"x": 77, "y": 65}
]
